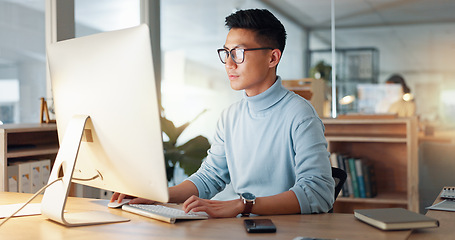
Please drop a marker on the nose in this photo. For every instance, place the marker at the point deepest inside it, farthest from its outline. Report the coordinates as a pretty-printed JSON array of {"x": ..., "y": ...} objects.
[{"x": 230, "y": 64}]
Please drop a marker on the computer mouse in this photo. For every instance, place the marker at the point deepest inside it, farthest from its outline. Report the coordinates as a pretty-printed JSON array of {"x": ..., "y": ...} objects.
[{"x": 117, "y": 204}]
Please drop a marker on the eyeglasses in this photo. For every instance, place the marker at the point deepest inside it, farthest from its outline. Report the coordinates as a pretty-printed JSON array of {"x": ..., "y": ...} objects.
[{"x": 237, "y": 54}]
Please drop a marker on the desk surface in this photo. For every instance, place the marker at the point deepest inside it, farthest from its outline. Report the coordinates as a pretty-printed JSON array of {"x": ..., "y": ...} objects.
[{"x": 341, "y": 226}]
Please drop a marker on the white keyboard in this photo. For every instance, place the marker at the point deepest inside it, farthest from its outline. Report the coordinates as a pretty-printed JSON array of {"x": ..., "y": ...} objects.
[{"x": 163, "y": 213}]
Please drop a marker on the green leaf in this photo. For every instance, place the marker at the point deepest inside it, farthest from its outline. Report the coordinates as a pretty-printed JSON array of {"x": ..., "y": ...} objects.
[
  {"x": 169, "y": 128},
  {"x": 182, "y": 128},
  {"x": 189, "y": 155},
  {"x": 193, "y": 152},
  {"x": 173, "y": 132}
]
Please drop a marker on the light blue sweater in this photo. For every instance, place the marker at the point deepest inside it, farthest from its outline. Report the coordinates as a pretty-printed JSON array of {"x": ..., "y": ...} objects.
[{"x": 268, "y": 144}]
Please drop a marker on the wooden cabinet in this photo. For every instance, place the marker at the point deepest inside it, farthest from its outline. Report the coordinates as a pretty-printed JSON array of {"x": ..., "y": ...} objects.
[
  {"x": 311, "y": 89},
  {"x": 26, "y": 142},
  {"x": 391, "y": 145}
]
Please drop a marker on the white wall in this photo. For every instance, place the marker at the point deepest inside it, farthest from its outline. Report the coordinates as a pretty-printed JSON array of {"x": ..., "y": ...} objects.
[{"x": 22, "y": 55}]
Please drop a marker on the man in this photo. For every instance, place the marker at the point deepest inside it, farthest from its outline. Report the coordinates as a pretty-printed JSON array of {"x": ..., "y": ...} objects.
[{"x": 270, "y": 145}]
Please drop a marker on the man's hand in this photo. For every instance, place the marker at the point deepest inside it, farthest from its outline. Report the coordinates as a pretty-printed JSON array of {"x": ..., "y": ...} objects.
[
  {"x": 214, "y": 208},
  {"x": 120, "y": 196}
]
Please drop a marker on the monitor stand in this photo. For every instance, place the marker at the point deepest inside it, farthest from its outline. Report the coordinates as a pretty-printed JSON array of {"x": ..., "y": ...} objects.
[{"x": 55, "y": 196}]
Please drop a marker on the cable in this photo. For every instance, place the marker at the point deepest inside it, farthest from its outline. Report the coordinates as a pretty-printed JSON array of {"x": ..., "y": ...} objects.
[
  {"x": 44, "y": 188},
  {"x": 99, "y": 175},
  {"x": 31, "y": 199}
]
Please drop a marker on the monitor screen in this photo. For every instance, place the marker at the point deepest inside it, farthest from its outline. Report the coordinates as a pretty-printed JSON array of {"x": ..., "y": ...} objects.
[
  {"x": 377, "y": 98},
  {"x": 108, "y": 79}
]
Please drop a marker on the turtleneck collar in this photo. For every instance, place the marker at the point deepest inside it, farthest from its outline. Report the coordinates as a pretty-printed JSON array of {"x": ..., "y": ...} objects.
[{"x": 267, "y": 98}]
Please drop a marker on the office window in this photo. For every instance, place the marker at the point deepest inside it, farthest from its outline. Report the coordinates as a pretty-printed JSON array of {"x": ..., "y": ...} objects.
[
  {"x": 22, "y": 48},
  {"x": 105, "y": 15},
  {"x": 22, "y": 60}
]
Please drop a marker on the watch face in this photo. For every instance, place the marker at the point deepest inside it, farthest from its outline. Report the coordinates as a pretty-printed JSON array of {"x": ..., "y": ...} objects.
[{"x": 248, "y": 196}]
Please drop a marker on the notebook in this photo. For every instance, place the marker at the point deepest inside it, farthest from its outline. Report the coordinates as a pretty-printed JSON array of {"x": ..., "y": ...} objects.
[
  {"x": 448, "y": 193},
  {"x": 446, "y": 205},
  {"x": 394, "y": 218}
]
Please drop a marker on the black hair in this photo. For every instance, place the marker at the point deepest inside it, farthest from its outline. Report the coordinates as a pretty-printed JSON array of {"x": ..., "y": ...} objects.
[
  {"x": 399, "y": 80},
  {"x": 269, "y": 30}
]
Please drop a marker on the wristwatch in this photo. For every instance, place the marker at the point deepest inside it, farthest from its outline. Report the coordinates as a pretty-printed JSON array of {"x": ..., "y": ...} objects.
[{"x": 249, "y": 200}]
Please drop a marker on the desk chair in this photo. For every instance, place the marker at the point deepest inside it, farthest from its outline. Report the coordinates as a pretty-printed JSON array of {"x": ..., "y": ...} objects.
[{"x": 339, "y": 175}]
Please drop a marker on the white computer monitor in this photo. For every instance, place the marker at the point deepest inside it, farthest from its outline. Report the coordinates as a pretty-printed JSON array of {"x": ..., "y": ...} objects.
[{"x": 108, "y": 116}]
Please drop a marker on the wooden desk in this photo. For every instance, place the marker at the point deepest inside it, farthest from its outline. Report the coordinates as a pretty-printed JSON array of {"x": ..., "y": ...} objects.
[{"x": 341, "y": 226}]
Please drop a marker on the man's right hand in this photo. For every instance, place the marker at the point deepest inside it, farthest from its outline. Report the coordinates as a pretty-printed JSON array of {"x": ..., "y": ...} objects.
[{"x": 120, "y": 196}]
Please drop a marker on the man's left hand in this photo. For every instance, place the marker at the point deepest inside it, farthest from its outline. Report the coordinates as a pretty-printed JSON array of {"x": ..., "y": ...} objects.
[{"x": 214, "y": 208}]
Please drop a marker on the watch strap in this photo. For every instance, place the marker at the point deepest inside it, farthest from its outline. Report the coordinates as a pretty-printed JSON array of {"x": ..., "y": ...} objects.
[{"x": 248, "y": 207}]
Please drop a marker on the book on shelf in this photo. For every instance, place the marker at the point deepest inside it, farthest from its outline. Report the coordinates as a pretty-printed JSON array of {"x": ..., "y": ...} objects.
[
  {"x": 344, "y": 189},
  {"x": 45, "y": 171},
  {"x": 394, "y": 218},
  {"x": 354, "y": 177},
  {"x": 366, "y": 178},
  {"x": 334, "y": 160},
  {"x": 24, "y": 178},
  {"x": 349, "y": 177},
  {"x": 360, "y": 177},
  {"x": 35, "y": 176},
  {"x": 28, "y": 176},
  {"x": 370, "y": 178},
  {"x": 13, "y": 178},
  {"x": 360, "y": 181}
]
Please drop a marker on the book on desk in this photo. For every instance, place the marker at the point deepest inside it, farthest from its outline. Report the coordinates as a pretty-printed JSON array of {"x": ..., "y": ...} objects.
[{"x": 394, "y": 219}]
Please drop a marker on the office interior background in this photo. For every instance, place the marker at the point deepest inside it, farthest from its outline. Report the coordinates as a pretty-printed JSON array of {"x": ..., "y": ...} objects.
[{"x": 414, "y": 38}]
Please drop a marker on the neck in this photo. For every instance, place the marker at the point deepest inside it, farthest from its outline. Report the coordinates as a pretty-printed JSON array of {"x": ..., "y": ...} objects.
[{"x": 268, "y": 81}]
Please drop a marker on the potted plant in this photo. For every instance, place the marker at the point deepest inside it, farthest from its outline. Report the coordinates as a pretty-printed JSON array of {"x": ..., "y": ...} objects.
[{"x": 189, "y": 155}]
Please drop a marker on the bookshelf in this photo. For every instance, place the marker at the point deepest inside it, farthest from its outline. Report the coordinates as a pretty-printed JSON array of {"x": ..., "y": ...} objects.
[
  {"x": 26, "y": 142},
  {"x": 391, "y": 146}
]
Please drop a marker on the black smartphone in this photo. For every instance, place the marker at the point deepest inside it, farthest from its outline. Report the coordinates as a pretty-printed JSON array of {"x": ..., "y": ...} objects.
[{"x": 259, "y": 226}]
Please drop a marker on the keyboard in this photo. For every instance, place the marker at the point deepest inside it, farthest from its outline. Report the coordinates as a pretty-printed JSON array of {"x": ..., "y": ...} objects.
[{"x": 163, "y": 213}]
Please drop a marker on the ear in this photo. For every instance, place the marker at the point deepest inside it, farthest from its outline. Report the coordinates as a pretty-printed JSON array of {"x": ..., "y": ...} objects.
[{"x": 275, "y": 58}]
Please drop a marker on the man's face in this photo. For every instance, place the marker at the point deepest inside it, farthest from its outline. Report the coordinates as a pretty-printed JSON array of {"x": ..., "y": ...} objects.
[{"x": 255, "y": 73}]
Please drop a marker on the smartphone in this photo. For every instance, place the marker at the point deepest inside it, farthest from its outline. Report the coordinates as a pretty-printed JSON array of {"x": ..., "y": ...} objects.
[{"x": 259, "y": 226}]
